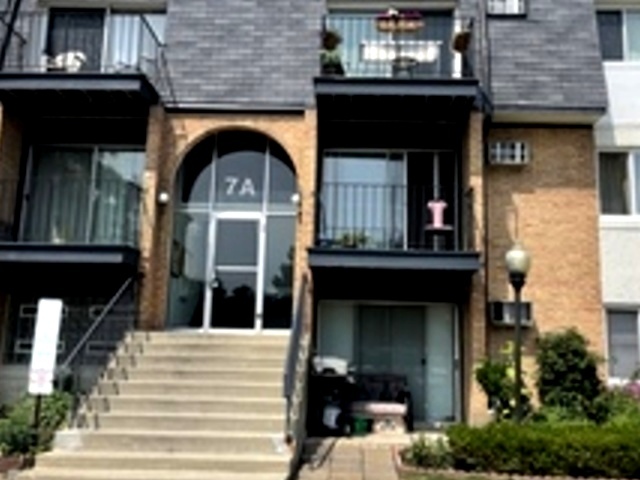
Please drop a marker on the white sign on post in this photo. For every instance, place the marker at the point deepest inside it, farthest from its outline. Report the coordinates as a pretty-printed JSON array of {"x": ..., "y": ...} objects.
[{"x": 45, "y": 346}]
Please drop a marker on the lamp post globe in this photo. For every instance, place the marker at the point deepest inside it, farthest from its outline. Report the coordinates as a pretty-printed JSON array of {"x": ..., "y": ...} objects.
[{"x": 518, "y": 263}]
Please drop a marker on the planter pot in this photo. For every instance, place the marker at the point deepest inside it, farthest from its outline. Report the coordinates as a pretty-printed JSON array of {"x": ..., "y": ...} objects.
[
  {"x": 399, "y": 25},
  {"x": 13, "y": 462}
]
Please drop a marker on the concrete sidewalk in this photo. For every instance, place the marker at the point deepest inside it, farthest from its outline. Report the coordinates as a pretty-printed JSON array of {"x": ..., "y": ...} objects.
[{"x": 364, "y": 458}]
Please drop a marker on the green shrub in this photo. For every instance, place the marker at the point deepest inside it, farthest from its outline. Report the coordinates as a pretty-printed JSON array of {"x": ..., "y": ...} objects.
[
  {"x": 568, "y": 373},
  {"x": 16, "y": 430},
  {"x": 428, "y": 453},
  {"x": 496, "y": 377},
  {"x": 543, "y": 449}
]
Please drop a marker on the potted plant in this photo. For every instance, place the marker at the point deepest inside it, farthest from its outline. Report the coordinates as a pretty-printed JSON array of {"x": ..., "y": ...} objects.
[
  {"x": 353, "y": 240},
  {"x": 330, "y": 61}
]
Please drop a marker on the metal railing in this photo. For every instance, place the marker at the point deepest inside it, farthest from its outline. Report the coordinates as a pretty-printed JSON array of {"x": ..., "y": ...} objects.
[
  {"x": 79, "y": 371},
  {"x": 296, "y": 374},
  {"x": 394, "y": 217},
  {"x": 81, "y": 42},
  {"x": 71, "y": 210},
  {"x": 425, "y": 52}
]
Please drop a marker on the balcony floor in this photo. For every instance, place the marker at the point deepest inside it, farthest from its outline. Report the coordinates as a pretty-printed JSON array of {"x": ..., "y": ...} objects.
[
  {"x": 34, "y": 264},
  {"x": 77, "y": 91}
]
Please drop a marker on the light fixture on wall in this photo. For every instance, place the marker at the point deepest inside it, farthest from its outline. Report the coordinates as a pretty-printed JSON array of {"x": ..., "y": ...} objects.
[
  {"x": 163, "y": 198},
  {"x": 296, "y": 199}
]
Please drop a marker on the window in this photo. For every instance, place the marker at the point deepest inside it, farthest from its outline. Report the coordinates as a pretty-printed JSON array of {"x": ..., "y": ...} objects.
[
  {"x": 84, "y": 195},
  {"x": 509, "y": 153},
  {"x": 622, "y": 330},
  {"x": 364, "y": 199},
  {"x": 506, "y": 7},
  {"x": 619, "y": 179},
  {"x": 619, "y": 32},
  {"x": 102, "y": 40}
]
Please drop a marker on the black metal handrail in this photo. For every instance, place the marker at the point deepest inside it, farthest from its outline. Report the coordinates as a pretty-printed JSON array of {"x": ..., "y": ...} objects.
[
  {"x": 80, "y": 43},
  {"x": 393, "y": 216},
  {"x": 70, "y": 209},
  {"x": 98, "y": 321},
  {"x": 69, "y": 374},
  {"x": 296, "y": 373}
]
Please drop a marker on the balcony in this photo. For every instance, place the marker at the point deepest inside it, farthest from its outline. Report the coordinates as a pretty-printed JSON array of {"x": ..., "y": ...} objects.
[
  {"x": 94, "y": 54},
  {"x": 370, "y": 47},
  {"x": 395, "y": 235},
  {"x": 409, "y": 87},
  {"x": 67, "y": 224}
]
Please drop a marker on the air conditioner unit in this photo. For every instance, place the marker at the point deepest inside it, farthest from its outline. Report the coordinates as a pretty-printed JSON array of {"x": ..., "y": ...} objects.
[
  {"x": 503, "y": 313},
  {"x": 509, "y": 153}
]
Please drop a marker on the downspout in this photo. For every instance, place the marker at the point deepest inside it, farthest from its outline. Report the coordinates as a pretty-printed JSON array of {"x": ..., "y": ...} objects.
[{"x": 6, "y": 41}]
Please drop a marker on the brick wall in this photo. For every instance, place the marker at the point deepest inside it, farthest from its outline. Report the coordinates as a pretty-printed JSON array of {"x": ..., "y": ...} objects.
[
  {"x": 551, "y": 205},
  {"x": 170, "y": 138},
  {"x": 10, "y": 156},
  {"x": 474, "y": 319}
]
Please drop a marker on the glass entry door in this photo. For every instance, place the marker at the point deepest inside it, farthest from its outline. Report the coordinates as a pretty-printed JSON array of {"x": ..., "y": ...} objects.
[{"x": 230, "y": 299}]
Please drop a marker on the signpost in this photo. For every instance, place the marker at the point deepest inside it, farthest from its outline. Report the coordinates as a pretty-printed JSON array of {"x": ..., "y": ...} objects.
[{"x": 43, "y": 354}]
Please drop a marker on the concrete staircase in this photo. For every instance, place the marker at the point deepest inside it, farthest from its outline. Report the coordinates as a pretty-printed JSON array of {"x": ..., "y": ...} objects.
[{"x": 181, "y": 405}]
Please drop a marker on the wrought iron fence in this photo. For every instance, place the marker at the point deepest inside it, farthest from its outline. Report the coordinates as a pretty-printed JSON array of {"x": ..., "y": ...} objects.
[
  {"x": 393, "y": 217},
  {"x": 439, "y": 46},
  {"x": 71, "y": 210}
]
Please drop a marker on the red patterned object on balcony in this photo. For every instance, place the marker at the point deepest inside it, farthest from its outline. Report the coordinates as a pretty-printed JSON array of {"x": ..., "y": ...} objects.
[{"x": 393, "y": 21}]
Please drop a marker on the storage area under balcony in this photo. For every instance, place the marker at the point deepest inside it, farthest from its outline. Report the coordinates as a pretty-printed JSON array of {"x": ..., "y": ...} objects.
[{"x": 100, "y": 55}]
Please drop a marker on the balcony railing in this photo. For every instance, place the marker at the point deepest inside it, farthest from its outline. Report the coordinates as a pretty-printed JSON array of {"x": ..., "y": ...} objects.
[
  {"x": 366, "y": 50},
  {"x": 70, "y": 210},
  {"x": 81, "y": 42},
  {"x": 395, "y": 217}
]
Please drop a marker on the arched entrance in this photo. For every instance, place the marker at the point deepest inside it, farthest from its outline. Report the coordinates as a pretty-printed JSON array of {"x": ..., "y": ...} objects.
[{"x": 233, "y": 237}]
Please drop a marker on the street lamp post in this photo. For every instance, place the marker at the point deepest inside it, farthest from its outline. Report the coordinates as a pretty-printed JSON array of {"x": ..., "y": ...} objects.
[{"x": 518, "y": 262}]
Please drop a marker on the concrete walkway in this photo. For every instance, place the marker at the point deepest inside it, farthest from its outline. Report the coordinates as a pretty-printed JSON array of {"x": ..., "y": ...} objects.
[{"x": 365, "y": 458}]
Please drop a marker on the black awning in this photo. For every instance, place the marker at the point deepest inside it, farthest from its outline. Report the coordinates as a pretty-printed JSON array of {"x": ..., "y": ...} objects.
[
  {"x": 77, "y": 93},
  {"x": 62, "y": 267},
  {"x": 392, "y": 275}
]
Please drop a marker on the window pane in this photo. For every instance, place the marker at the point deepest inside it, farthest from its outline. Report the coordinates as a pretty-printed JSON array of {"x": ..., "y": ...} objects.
[
  {"x": 278, "y": 284},
  {"x": 117, "y": 193},
  {"x": 633, "y": 35},
  {"x": 610, "y": 31},
  {"x": 75, "y": 39},
  {"x": 614, "y": 194},
  {"x": 59, "y": 205},
  {"x": 623, "y": 343},
  {"x": 636, "y": 181},
  {"x": 363, "y": 200}
]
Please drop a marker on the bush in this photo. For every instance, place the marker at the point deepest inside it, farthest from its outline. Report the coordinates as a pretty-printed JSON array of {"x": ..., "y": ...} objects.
[
  {"x": 428, "y": 454},
  {"x": 534, "y": 449},
  {"x": 16, "y": 430},
  {"x": 568, "y": 373},
  {"x": 496, "y": 377}
]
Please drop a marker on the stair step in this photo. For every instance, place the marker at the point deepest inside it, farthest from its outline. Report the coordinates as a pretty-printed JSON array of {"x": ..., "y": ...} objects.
[
  {"x": 186, "y": 421},
  {"x": 113, "y": 474},
  {"x": 191, "y": 387},
  {"x": 239, "y": 463},
  {"x": 162, "y": 441},
  {"x": 192, "y": 337},
  {"x": 196, "y": 372},
  {"x": 210, "y": 359},
  {"x": 245, "y": 349},
  {"x": 180, "y": 404}
]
